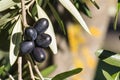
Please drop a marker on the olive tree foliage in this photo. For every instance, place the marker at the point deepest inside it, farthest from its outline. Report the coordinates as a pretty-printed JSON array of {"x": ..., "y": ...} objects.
[{"x": 17, "y": 15}]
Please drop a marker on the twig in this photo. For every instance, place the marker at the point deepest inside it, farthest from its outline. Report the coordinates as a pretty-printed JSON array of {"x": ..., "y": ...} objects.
[
  {"x": 29, "y": 4},
  {"x": 10, "y": 76},
  {"x": 35, "y": 66},
  {"x": 38, "y": 72},
  {"x": 23, "y": 13},
  {"x": 19, "y": 68},
  {"x": 31, "y": 71}
]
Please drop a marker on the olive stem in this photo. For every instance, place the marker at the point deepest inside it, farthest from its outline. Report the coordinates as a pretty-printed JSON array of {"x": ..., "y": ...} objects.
[
  {"x": 38, "y": 72},
  {"x": 29, "y": 4},
  {"x": 10, "y": 76},
  {"x": 23, "y": 13},
  {"x": 35, "y": 66},
  {"x": 31, "y": 71},
  {"x": 19, "y": 68}
]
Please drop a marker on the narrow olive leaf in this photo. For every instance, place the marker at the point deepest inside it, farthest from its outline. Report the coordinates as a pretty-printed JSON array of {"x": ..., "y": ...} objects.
[
  {"x": 5, "y": 16},
  {"x": 57, "y": 17},
  {"x": 117, "y": 76},
  {"x": 109, "y": 57},
  {"x": 48, "y": 70},
  {"x": 87, "y": 11},
  {"x": 34, "y": 11},
  {"x": 4, "y": 21},
  {"x": 2, "y": 68},
  {"x": 15, "y": 40},
  {"x": 82, "y": 6},
  {"x": 50, "y": 30},
  {"x": 5, "y": 4},
  {"x": 95, "y": 4},
  {"x": 113, "y": 60},
  {"x": 9, "y": 15},
  {"x": 40, "y": 2},
  {"x": 116, "y": 16},
  {"x": 107, "y": 75},
  {"x": 114, "y": 75},
  {"x": 71, "y": 8},
  {"x": 67, "y": 74}
]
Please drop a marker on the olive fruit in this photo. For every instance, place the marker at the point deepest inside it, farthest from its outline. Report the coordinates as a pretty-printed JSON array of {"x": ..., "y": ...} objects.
[
  {"x": 41, "y": 25},
  {"x": 38, "y": 54},
  {"x": 30, "y": 33},
  {"x": 26, "y": 47},
  {"x": 43, "y": 40}
]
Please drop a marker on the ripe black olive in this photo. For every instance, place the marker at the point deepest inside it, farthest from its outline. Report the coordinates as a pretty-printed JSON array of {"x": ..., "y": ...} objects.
[
  {"x": 41, "y": 25},
  {"x": 30, "y": 33},
  {"x": 26, "y": 47},
  {"x": 43, "y": 40},
  {"x": 38, "y": 54}
]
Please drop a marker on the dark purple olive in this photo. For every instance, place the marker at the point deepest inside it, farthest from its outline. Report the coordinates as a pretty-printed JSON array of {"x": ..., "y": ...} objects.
[
  {"x": 43, "y": 40},
  {"x": 41, "y": 25},
  {"x": 30, "y": 33},
  {"x": 38, "y": 54},
  {"x": 26, "y": 47}
]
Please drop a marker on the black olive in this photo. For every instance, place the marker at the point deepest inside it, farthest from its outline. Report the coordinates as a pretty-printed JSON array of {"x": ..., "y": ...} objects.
[
  {"x": 38, "y": 54},
  {"x": 30, "y": 33},
  {"x": 43, "y": 40},
  {"x": 26, "y": 47},
  {"x": 41, "y": 25}
]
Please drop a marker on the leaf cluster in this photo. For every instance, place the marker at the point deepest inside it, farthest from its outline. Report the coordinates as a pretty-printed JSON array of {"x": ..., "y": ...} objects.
[
  {"x": 112, "y": 59},
  {"x": 11, "y": 23}
]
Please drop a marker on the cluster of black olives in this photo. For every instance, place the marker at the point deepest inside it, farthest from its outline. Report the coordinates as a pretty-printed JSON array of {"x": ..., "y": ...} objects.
[{"x": 36, "y": 40}]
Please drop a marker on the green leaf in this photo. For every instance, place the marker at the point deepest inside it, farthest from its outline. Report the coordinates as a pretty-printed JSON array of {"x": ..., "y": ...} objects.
[
  {"x": 116, "y": 16},
  {"x": 34, "y": 11},
  {"x": 57, "y": 17},
  {"x": 48, "y": 70},
  {"x": 5, "y": 4},
  {"x": 72, "y": 9},
  {"x": 95, "y": 4},
  {"x": 116, "y": 76},
  {"x": 5, "y": 16},
  {"x": 15, "y": 40},
  {"x": 107, "y": 75},
  {"x": 67, "y": 74},
  {"x": 87, "y": 12},
  {"x": 4, "y": 21},
  {"x": 109, "y": 57},
  {"x": 80, "y": 5},
  {"x": 11, "y": 14},
  {"x": 2, "y": 68},
  {"x": 50, "y": 30}
]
